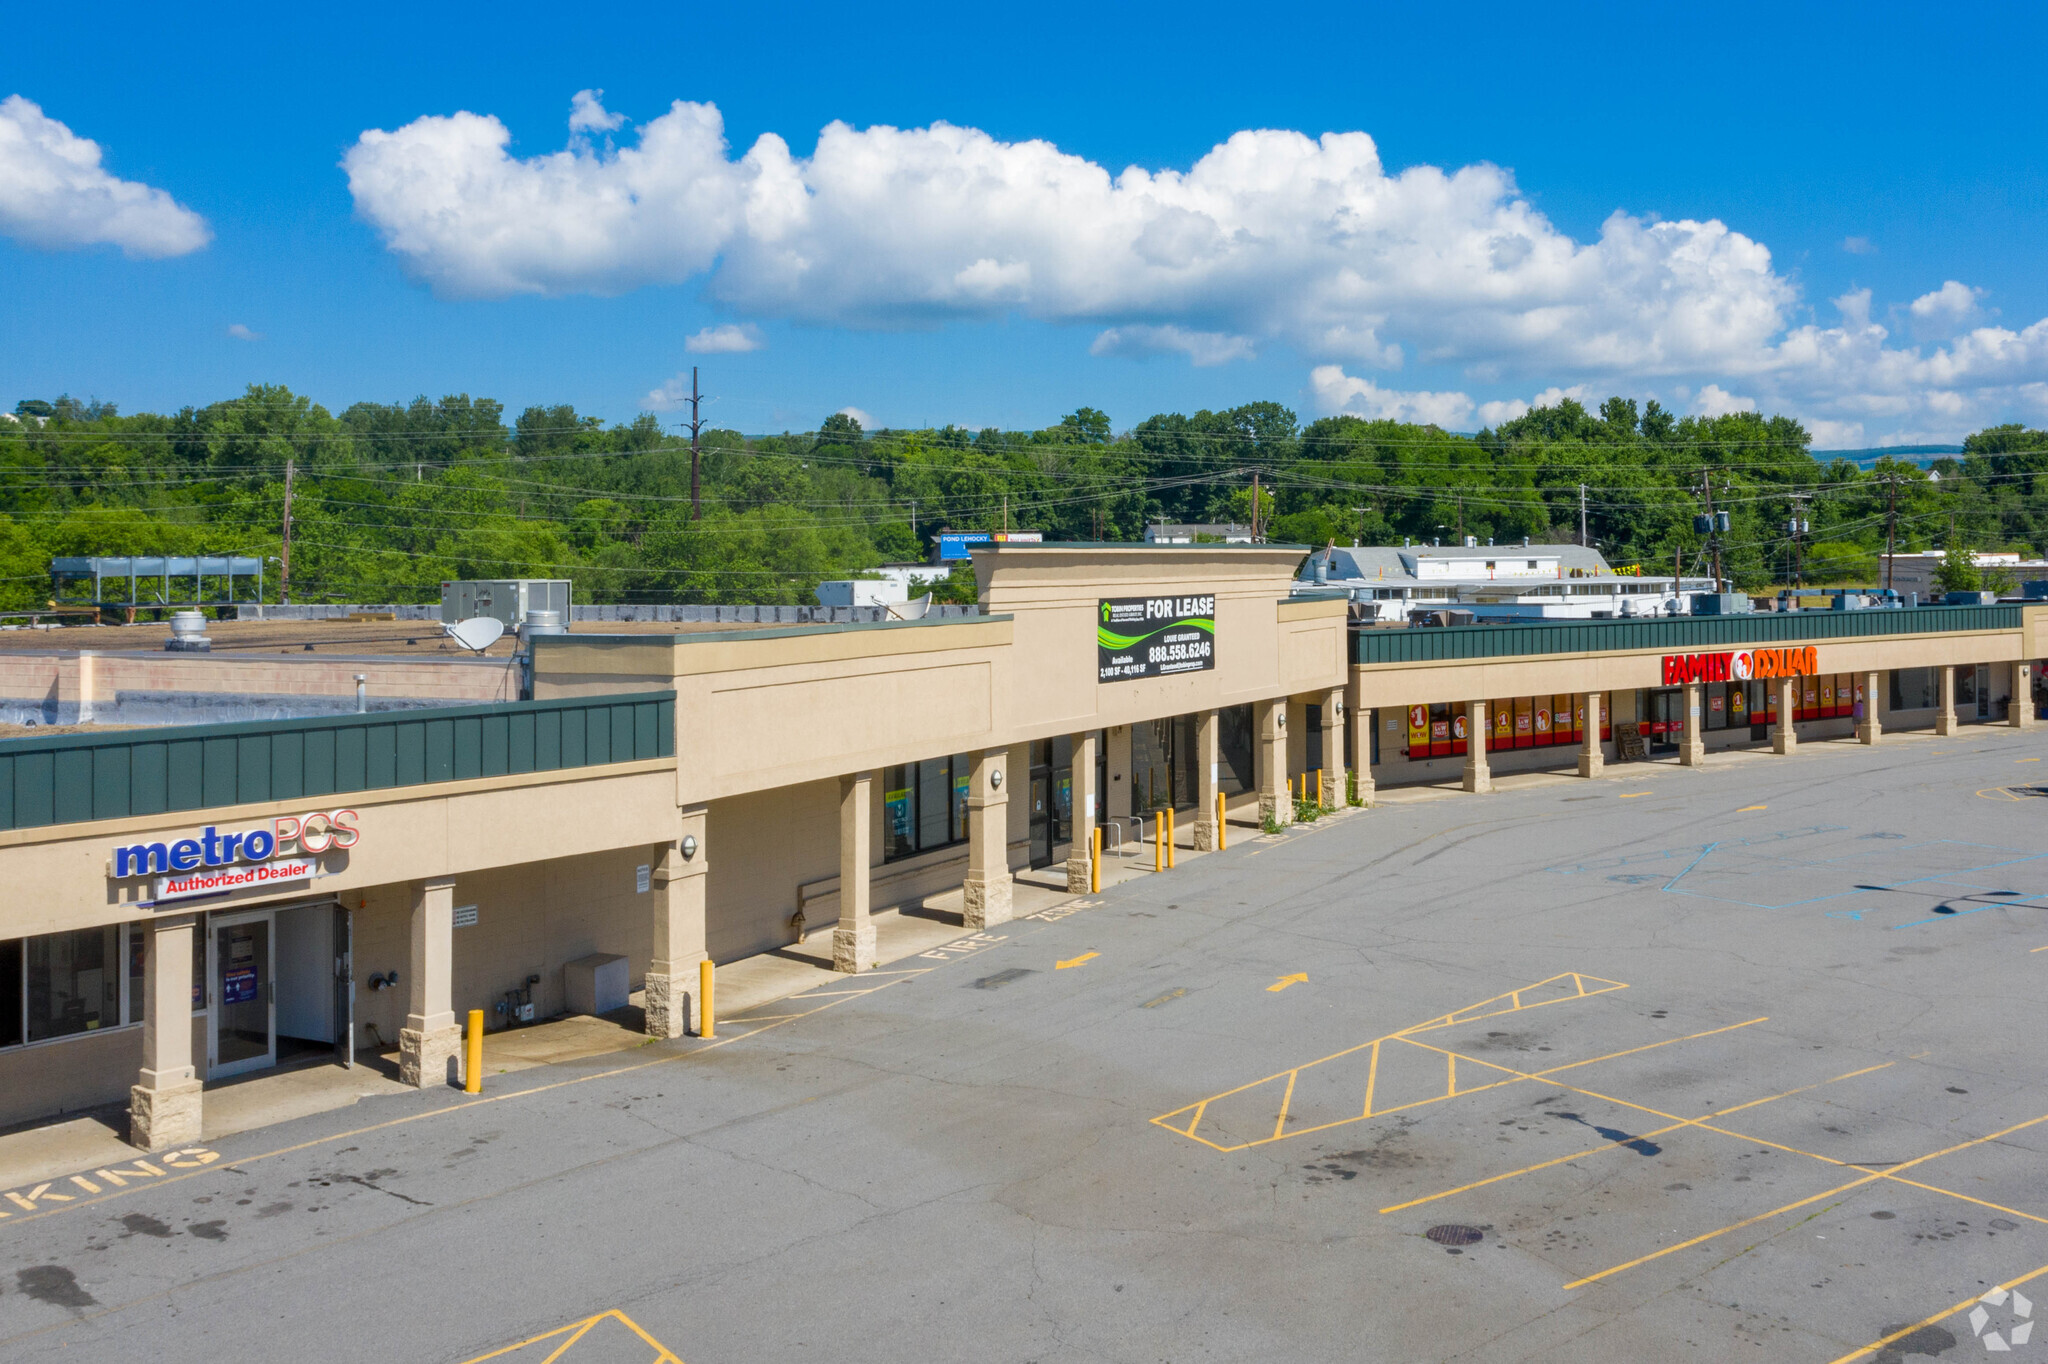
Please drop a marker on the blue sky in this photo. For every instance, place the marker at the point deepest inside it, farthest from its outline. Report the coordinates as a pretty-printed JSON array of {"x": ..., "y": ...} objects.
[{"x": 967, "y": 277}]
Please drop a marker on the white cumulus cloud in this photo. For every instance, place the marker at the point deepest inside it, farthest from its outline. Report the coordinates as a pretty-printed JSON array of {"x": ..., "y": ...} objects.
[
  {"x": 54, "y": 192},
  {"x": 1336, "y": 391},
  {"x": 1507, "y": 409},
  {"x": 726, "y": 340},
  {"x": 243, "y": 332},
  {"x": 1715, "y": 401},
  {"x": 1272, "y": 237},
  {"x": 1954, "y": 302},
  {"x": 1201, "y": 348},
  {"x": 867, "y": 423}
]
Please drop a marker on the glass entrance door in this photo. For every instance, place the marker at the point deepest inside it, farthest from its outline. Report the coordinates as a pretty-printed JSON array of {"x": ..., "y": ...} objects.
[
  {"x": 1041, "y": 817},
  {"x": 241, "y": 976},
  {"x": 1667, "y": 718}
]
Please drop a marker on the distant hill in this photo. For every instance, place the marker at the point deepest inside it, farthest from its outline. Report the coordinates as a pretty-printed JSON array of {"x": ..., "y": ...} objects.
[{"x": 1922, "y": 455}]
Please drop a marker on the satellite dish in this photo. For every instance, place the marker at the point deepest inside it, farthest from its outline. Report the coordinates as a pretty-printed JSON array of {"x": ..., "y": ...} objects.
[{"x": 478, "y": 633}]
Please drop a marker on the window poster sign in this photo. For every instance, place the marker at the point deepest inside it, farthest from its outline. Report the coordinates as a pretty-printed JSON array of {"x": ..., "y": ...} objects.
[
  {"x": 1154, "y": 637},
  {"x": 238, "y": 985}
]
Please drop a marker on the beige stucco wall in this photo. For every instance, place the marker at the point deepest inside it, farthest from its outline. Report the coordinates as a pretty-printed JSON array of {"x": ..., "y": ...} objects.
[{"x": 59, "y": 877}]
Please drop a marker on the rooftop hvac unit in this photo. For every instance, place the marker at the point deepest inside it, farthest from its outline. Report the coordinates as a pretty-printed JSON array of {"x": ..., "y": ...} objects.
[{"x": 510, "y": 600}]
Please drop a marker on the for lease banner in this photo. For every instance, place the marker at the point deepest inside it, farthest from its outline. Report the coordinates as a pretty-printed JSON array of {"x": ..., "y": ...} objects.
[{"x": 1154, "y": 636}]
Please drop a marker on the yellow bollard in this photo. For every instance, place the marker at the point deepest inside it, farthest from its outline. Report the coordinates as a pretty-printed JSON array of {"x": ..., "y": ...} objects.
[
  {"x": 1158, "y": 843},
  {"x": 1172, "y": 836},
  {"x": 1222, "y": 829},
  {"x": 473, "y": 1054},
  {"x": 706, "y": 1020},
  {"x": 1095, "y": 864}
]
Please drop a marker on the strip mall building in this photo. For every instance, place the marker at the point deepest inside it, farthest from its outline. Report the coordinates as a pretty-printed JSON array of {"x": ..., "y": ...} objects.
[{"x": 184, "y": 904}]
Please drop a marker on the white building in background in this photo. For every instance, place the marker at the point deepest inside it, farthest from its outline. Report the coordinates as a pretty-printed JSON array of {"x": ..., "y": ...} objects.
[
  {"x": 1230, "y": 533},
  {"x": 1494, "y": 582},
  {"x": 1915, "y": 572},
  {"x": 892, "y": 583}
]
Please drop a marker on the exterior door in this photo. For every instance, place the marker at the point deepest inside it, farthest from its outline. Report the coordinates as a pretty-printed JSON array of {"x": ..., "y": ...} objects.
[
  {"x": 1667, "y": 710},
  {"x": 242, "y": 1027},
  {"x": 1041, "y": 816},
  {"x": 344, "y": 986}
]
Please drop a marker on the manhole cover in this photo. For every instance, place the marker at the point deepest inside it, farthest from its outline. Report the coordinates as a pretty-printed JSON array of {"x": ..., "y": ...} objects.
[
  {"x": 1000, "y": 979},
  {"x": 1455, "y": 1234}
]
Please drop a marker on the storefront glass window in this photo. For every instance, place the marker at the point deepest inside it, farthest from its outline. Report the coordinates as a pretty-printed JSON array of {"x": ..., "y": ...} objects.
[
  {"x": 10, "y": 993},
  {"x": 73, "y": 982},
  {"x": 138, "y": 946},
  {"x": 1915, "y": 689},
  {"x": 924, "y": 806}
]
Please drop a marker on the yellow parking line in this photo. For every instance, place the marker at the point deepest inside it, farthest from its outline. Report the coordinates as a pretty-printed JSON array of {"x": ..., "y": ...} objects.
[
  {"x": 1962, "y": 1306},
  {"x": 1594, "y": 1151},
  {"x": 1801, "y": 1203},
  {"x": 1631, "y": 795},
  {"x": 1747, "y": 808}
]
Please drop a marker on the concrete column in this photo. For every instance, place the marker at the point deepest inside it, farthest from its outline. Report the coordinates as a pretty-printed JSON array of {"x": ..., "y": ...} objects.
[
  {"x": 1086, "y": 812},
  {"x": 1692, "y": 749},
  {"x": 430, "y": 1043},
  {"x": 1868, "y": 728},
  {"x": 1478, "y": 775},
  {"x": 1592, "y": 758},
  {"x": 1945, "y": 717},
  {"x": 1361, "y": 720},
  {"x": 2019, "y": 713},
  {"x": 1208, "y": 764},
  {"x": 1333, "y": 747},
  {"x": 1275, "y": 804},
  {"x": 1784, "y": 738},
  {"x": 986, "y": 899},
  {"x": 680, "y": 877},
  {"x": 853, "y": 941},
  {"x": 164, "y": 1105}
]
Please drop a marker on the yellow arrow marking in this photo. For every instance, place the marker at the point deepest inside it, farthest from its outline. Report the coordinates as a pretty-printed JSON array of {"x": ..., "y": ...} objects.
[
  {"x": 1075, "y": 961},
  {"x": 1747, "y": 808},
  {"x": 1298, "y": 978}
]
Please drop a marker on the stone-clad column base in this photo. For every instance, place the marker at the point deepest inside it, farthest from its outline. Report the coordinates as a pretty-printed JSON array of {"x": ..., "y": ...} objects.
[
  {"x": 853, "y": 949},
  {"x": 432, "y": 1057},
  {"x": 164, "y": 1116},
  {"x": 668, "y": 1003},
  {"x": 984, "y": 902},
  {"x": 1077, "y": 867}
]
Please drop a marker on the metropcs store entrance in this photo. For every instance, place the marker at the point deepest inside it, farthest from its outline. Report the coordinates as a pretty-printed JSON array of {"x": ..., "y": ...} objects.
[{"x": 279, "y": 984}]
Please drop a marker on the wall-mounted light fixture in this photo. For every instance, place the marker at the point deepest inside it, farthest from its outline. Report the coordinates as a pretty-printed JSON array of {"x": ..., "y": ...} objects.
[
  {"x": 689, "y": 847},
  {"x": 995, "y": 779}
]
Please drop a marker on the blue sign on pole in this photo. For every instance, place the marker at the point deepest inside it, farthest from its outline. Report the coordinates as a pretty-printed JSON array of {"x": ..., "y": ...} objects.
[{"x": 954, "y": 545}]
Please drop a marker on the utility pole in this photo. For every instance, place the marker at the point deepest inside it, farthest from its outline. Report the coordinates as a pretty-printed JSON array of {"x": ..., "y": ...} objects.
[
  {"x": 1255, "y": 506},
  {"x": 1798, "y": 529},
  {"x": 1361, "y": 526},
  {"x": 284, "y": 590},
  {"x": 1891, "y": 525},
  {"x": 696, "y": 425},
  {"x": 1713, "y": 538},
  {"x": 1582, "y": 516}
]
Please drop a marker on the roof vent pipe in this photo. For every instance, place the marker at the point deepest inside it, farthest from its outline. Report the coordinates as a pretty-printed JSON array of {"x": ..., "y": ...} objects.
[{"x": 1525, "y": 542}]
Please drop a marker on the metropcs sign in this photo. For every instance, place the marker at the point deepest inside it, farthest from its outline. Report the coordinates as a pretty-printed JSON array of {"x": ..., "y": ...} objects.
[
  {"x": 1739, "y": 665},
  {"x": 217, "y": 863}
]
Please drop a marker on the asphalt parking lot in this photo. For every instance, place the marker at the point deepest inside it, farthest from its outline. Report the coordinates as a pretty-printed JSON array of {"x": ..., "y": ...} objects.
[{"x": 1735, "y": 1063}]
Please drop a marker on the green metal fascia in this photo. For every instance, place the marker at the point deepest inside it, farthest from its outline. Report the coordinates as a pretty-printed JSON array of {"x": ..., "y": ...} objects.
[
  {"x": 74, "y": 778},
  {"x": 1461, "y": 643}
]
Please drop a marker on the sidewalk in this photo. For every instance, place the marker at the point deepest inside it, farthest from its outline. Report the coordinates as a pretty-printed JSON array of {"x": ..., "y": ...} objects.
[{"x": 313, "y": 1084}]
